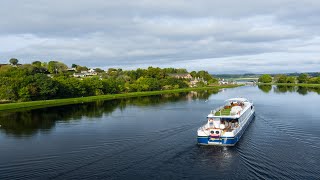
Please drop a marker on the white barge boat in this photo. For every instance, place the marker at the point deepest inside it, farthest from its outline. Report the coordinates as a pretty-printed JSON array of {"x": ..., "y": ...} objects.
[{"x": 226, "y": 124}]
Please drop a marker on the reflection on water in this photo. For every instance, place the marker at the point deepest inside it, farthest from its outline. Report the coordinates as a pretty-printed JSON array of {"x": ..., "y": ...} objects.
[
  {"x": 27, "y": 123},
  {"x": 284, "y": 89},
  {"x": 265, "y": 88},
  {"x": 155, "y": 138}
]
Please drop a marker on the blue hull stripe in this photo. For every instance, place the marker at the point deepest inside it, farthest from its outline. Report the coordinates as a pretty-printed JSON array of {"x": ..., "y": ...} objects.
[{"x": 205, "y": 140}]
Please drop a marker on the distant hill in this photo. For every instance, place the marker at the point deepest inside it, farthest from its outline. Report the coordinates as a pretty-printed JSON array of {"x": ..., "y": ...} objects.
[
  {"x": 227, "y": 76},
  {"x": 251, "y": 75}
]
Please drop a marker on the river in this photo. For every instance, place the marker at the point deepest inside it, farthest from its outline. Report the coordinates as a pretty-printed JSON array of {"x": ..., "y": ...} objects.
[{"x": 155, "y": 138}]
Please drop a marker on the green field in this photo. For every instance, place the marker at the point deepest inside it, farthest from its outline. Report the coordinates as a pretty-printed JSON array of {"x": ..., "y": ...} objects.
[{"x": 59, "y": 102}]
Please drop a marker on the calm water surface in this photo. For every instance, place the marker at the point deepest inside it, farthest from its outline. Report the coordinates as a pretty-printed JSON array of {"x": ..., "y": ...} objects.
[{"x": 155, "y": 138}]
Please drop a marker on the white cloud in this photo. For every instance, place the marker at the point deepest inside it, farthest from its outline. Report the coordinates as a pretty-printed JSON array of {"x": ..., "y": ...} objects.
[{"x": 218, "y": 36}]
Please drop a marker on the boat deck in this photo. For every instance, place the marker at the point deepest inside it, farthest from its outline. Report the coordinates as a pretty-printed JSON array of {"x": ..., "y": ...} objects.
[{"x": 223, "y": 112}]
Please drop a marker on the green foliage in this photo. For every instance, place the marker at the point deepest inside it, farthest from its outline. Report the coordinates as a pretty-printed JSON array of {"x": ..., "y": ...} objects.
[
  {"x": 98, "y": 70},
  {"x": 266, "y": 78},
  {"x": 13, "y": 61},
  {"x": 303, "y": 78},
  {"x": 112, "y": 72},
  {"x": 213, "y": 81},
  {"x": 202, "y": 74},
  {"x": 291, "y": 79},
  {"x": 45, "y": 87},
  {"x": 193, "y": 74},
  {"x": 155, "y": 73},
  {"x": 111, "y": 86},
  {"x": 265, "y": 88},
  {"x": 43, "y": 81},
  {"x": 36, "y": 64},
  {"x": 24, "y": 94},
  {"x": 81, "y": 68},
  {"x": 147, "y": 84},
  {"x": 55, "y": 67},
  {"x": 7, "y": 93},
  {"x": 201, "y": 84},
  {"x": 174, "y": 71},
  {"x": 314, "y": 80},
  {"x": 172, "y": 83},
  {"x": 281, "y": 78}
]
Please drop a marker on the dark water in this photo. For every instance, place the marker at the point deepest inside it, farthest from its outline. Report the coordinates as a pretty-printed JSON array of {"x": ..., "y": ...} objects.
[{"x": 155, "y": 138}]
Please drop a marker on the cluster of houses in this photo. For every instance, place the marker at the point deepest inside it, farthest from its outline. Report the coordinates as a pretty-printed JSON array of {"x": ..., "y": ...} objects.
[
  {"x": 90, "y": 72},
  {"x": 193, "y": 81}
]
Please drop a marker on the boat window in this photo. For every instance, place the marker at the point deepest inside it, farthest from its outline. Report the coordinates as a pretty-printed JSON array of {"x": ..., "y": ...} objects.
[
  {"x": 212, "y": 132},
  {"x": 217, "y": 132}
]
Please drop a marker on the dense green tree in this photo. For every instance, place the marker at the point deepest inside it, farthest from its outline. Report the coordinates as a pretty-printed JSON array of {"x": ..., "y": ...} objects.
[
  {"x": 172, "y": 83},
  {"x": 213, "y": 81},
  {"x": 93, "y": 86},
  {"x": 132, "y": 74},
  {"x": 98, "y": 70},
  {"x": 13, "y": 61},
  {"x": 291, "y": 79},
  {"x": 147, "y": 84},
  {"x": 314, "y": 80},
  {"x": 70, "y": 87},
  {"x": 45, "y": 87},
  {"x": 24, "y": 94},
  {"x": 7, "y": 71},
  {"x": 81, "y": 68},
  {"x": 266, "y": 78},
  {"x": 140, "y": 72},
  {"x": 113, "y": 72},
  {"x": 7, "y": 93},
  {"x": 193, "y": 74},
  {"x": 282, "y": 78},
  {"x": 155, "y": 73},
  {"x": 55, "y": 67},
  {"x": 200, "y": 84},
  {"x": 111, "y": 86},
  {"x": 169, "y": 70},
  {"x": 36, "y": 64},
  {"x": 303, "y": 78},
  {"x": 181, "y": 71}
]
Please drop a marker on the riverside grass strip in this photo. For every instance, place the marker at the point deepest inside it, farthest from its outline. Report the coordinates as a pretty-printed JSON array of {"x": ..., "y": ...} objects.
[
  {"x": 292, "y": 84},
  {"x": 60, "y": 102}
]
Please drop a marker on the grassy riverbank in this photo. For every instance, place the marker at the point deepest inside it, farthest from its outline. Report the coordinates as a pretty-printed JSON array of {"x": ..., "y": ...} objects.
[
  {"x": 292, "y": 84},
  {"x": 59, "y": 102}
]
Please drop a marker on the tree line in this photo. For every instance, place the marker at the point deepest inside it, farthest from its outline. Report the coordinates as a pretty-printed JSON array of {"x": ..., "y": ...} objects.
[
  {"x": 52, "y": 80},
  {"x": 282, "y": 78}
]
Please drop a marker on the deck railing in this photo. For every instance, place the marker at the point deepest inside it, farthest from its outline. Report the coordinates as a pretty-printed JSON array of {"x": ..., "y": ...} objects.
[{"x": 216, "y": 110}]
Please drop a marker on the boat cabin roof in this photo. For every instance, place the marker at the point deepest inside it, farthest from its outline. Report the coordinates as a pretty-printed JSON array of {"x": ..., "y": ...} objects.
[{"x": 237, "y": 99}]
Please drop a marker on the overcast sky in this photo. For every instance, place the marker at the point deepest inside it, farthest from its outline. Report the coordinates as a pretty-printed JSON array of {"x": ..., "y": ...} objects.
[{"x": 229, "y": 36}]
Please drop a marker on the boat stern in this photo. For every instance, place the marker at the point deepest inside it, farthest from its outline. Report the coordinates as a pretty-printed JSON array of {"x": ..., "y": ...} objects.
[{"x": 213, "y": 137}]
